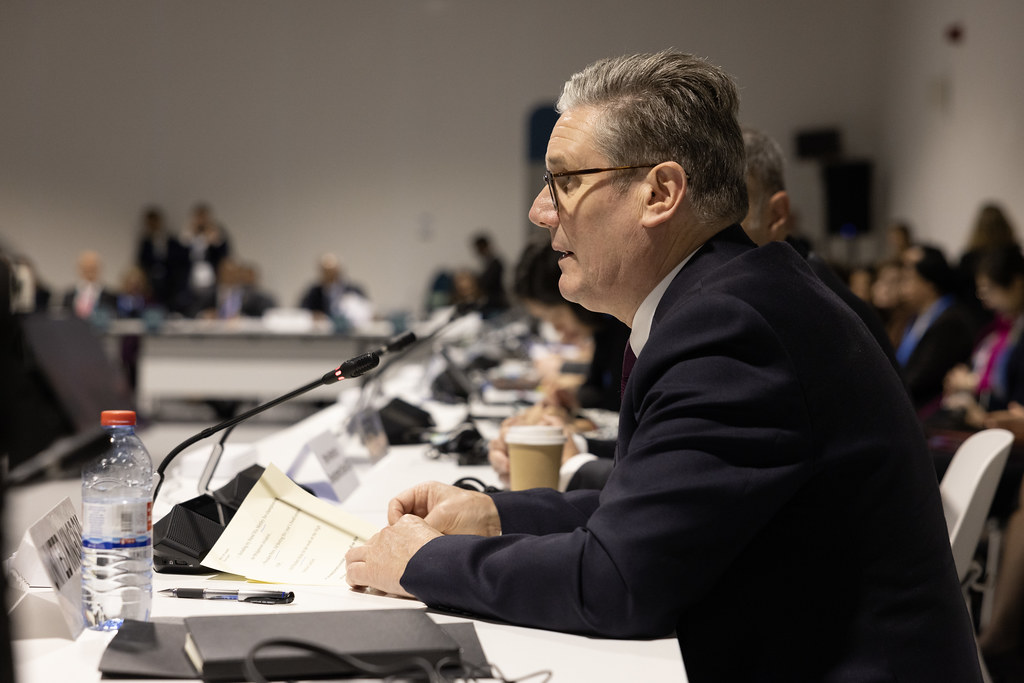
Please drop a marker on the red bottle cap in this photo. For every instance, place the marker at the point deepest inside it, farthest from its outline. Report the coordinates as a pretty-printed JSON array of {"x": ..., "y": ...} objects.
[{"x": 110, "y": 418}]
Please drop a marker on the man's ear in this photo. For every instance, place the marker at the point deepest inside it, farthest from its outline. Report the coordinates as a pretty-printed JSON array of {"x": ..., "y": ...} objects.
[
  {"x": 666, "y": 186},
  {"x": 778, "y": 216}
]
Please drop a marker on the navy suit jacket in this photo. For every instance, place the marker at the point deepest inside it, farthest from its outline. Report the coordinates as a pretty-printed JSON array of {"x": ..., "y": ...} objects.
[
  {"x": 773, "y": 502},
  {"x": 317, "y": 297},
  {"x": 107, "y": 299},
  {"x": 948, "y": 341}
]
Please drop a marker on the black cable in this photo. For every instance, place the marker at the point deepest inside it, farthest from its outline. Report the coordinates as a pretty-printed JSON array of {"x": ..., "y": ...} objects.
[
  {"x": 252, "y": 673},
  {"x": 546, "y": 673},
  {"x": 463, "y": 670},
  {"x": 474, "y": 484}
]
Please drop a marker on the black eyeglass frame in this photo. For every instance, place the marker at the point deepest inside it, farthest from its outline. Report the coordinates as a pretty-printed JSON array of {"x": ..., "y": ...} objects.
[{"x": 549, "y": 177}]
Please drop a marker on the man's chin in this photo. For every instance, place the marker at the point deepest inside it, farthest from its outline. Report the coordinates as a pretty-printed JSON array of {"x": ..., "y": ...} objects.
[{"x": 569, "y": 289}]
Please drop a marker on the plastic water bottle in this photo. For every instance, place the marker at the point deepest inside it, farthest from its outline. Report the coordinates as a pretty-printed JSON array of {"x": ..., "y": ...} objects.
[{"x": 117, "y": 528}]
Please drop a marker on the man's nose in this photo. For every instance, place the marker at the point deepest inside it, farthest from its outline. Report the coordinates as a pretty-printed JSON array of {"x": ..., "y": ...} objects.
[{"x": 542, "y": 212}]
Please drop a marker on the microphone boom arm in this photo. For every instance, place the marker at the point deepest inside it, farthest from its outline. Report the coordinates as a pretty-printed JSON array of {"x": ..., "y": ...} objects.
[{"x": 350, "y": 368}]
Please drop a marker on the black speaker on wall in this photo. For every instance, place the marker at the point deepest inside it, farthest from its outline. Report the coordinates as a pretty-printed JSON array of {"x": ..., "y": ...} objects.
[
  {"x": 821, "y": 143},
  {"x": 848, "y": 197}
]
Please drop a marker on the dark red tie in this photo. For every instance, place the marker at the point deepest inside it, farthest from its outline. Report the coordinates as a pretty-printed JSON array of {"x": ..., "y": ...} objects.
[{"x": 628, "y": 360}]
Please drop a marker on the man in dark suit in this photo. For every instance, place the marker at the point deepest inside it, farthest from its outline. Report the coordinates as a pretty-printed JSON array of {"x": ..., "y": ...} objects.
[
  {"x": 773, "y": 503},
  {"x": 491, "y": 278},
  {"x": 942, "y": 331},
  {"x": 235, "y": 294},
  {"x": 89, "y": 294},
  {"x": 334, "y": 296},
  {"x": 768, "y": 220}
]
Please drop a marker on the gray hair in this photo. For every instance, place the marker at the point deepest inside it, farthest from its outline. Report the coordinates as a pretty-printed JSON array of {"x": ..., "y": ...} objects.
[
  {"x": 669, "y": 106},
  {"x": 765, "y": 162}
]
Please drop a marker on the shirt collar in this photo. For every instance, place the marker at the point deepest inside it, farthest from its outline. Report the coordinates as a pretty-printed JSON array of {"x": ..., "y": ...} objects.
[{"x": 644, "y": 316}]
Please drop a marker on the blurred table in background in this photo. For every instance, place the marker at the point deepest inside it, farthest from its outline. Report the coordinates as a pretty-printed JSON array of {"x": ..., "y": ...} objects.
[{"x": 241, "y": 359}]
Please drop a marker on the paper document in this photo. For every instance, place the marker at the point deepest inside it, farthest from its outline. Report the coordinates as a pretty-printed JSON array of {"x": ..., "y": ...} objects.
[{"x": 281, "y": 534}]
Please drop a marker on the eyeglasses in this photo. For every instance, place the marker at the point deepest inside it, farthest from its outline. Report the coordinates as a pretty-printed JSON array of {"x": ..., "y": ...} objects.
[{"x": 549, "y": 177}]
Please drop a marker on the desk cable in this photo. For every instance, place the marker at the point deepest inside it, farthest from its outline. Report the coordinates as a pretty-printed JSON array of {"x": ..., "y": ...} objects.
[
  {"x": 465, "y": 671},
  {"x": 474, "y": 484}
]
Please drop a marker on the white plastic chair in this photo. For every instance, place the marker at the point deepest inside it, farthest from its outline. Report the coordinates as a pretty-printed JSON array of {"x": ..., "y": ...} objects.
[{"x": 967, "y": 489}]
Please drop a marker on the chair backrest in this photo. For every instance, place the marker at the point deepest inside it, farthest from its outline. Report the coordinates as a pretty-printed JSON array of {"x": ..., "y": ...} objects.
[{"x": 967, "y": 489}]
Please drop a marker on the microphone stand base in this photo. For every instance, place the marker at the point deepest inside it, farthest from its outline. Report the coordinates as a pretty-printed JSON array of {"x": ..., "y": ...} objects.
[{"x": 189, "y": 531}]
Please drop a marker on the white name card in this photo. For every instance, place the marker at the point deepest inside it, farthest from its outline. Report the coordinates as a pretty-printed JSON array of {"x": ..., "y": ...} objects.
[
  {"x": 50, "y": 555},
  {"x": 337, "y": 466}
]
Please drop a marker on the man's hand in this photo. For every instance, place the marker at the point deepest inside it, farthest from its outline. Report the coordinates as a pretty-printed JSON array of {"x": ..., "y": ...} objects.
[
  {"x": 497, "y": 455},
  {"x": 1012, "y": 419},
  {"x": 448, "y": 509},
  {"x": 960, "y": 379},
  {"x": 381, "y": 561},
  {"x": 540, "y": 413},
  {"x": 417, "y": 516}
]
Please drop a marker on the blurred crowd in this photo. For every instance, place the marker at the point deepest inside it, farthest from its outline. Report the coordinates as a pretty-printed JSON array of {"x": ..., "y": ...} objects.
[
  {"x": 954, "y": 322},
  {"x": 950, "y": 323},
  {"x": 196, "y": 272}
]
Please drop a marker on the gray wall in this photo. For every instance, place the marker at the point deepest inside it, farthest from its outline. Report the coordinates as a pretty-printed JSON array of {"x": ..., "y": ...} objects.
[
  {"x": 953, "y": 116},
  {"x": 390, "y": 131}
]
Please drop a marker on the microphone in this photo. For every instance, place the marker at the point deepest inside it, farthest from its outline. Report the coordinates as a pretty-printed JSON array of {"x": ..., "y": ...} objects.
[
  {"x": 404, "y": 423},
  {"x": 187, "y": 533},
  {"x": 404, "y": 341},
  {"x": 397, "y": 343}
]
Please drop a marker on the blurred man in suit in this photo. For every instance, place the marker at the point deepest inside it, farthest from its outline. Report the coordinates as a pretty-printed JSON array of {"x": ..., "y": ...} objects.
[
  {"x": 89, "y": 294},
  {"x": 334, "y": 296},
  {"x": 773, "y": 503},
  {"x": 768, "y": 220},
  {"x": 491, "y": 278},
  {"x": 941, "y": 332},
  {"x": 233, "y": 296}
]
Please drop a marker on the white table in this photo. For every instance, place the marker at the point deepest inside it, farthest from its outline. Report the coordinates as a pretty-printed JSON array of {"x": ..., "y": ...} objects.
[
  {"x": 239, "y": 359},
  {"x": 517, "y": 651}
]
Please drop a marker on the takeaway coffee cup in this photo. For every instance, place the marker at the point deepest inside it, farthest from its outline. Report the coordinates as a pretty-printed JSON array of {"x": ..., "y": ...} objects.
[{"x": 534, "y": 456}]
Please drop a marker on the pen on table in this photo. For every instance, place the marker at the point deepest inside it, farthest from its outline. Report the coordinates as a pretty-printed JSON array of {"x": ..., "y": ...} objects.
[{"x": 261, "y": 597}]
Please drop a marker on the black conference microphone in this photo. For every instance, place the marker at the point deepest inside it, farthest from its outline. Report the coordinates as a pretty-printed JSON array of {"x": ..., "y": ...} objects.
[
  {"x": 397, "y": 343},
  {"x": 407, "y": 341},
  {"x": 403, "y": 422},
  {"x": 187, "y": 533},
  {"x": 349, "y": 369}
]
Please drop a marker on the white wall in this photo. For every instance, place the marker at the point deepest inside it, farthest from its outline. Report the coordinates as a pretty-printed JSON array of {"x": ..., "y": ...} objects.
[
  {"x": 954, "y": 116},
  {"x": 390, "y": 131}
]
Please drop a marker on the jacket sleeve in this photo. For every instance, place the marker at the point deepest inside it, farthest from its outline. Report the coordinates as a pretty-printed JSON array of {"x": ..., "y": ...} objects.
[{"x": 708, "y": 454}]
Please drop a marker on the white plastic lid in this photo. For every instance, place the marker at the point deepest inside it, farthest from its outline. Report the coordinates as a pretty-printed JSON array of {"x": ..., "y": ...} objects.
[{"x": 536, "y": 435}]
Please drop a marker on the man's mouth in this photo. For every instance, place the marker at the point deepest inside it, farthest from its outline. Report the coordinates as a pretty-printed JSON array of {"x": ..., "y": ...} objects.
[{"x": 564, "y": 254}]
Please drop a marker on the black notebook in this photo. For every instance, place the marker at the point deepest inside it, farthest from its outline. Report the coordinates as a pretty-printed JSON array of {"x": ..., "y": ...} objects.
[{"x": 218, "y": 645}]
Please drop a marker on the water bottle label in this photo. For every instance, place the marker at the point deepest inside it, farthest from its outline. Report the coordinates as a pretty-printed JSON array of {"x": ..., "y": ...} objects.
[{"x": 125, "y": 525}]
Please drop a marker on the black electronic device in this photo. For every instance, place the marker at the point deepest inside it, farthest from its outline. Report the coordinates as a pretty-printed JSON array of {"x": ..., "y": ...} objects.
[
  {"x": 190, "y": 529},
  {"x": 466, "y": 443},
  {"x": 453, "y": 384},
  {"x": 404, "y": 423},
  {"x": 823, "y": 144},
  {"x": 57, "y": 379},
  {"x": 389, "y": 643},
  {"x": 848, "y": 197},
  {"x": 183, "y": 537}
]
